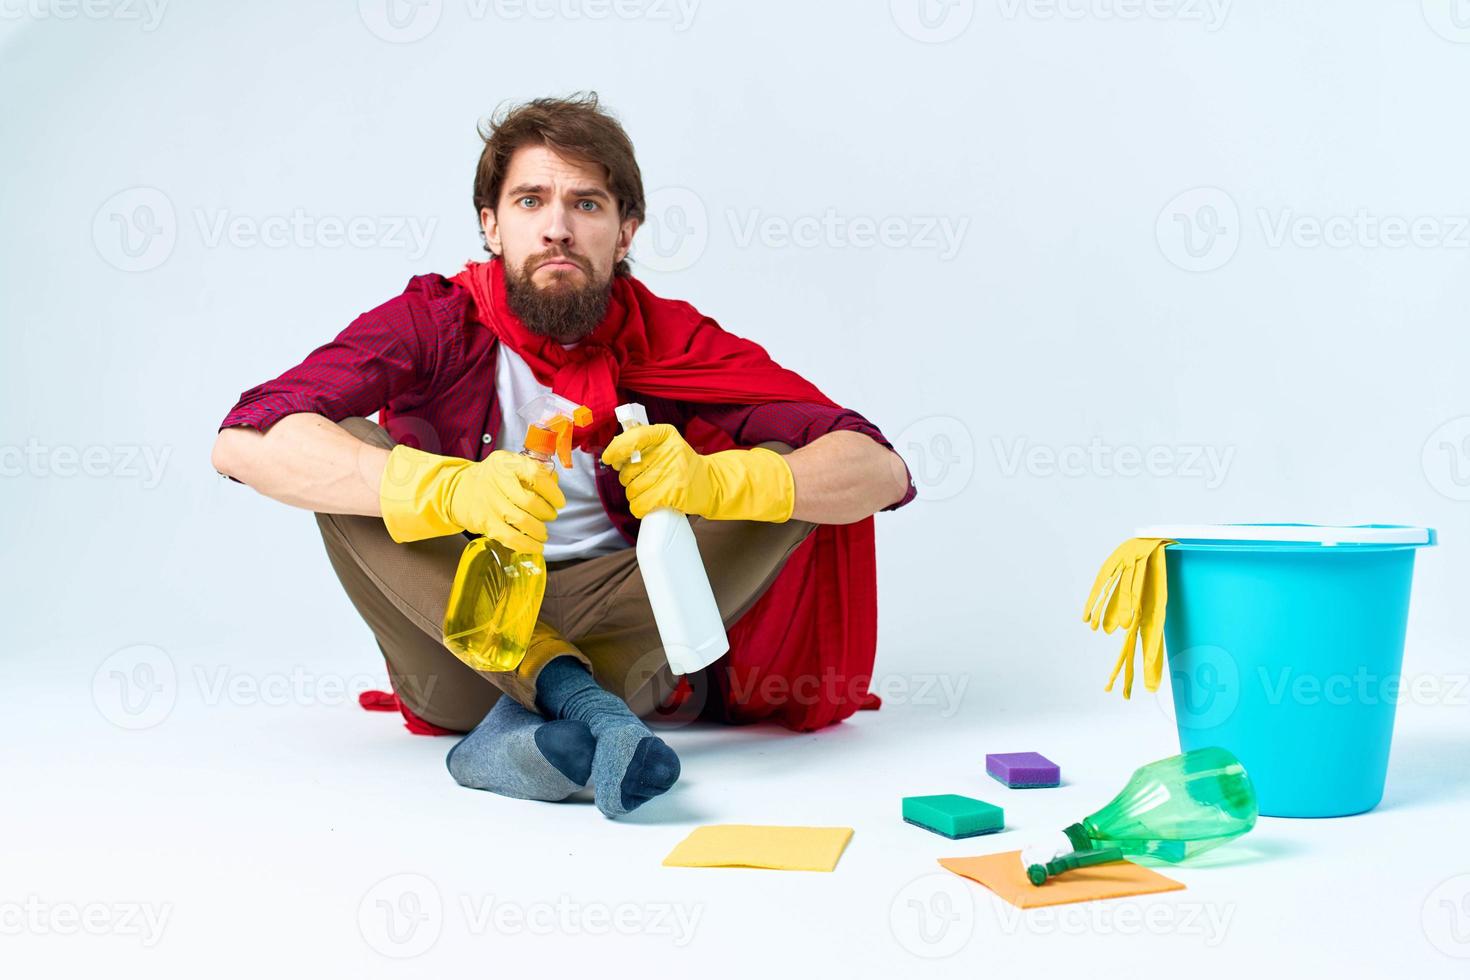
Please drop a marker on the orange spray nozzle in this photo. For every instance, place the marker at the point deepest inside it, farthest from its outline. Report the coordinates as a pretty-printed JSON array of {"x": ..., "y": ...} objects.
[{"x": 550, "y": 423}]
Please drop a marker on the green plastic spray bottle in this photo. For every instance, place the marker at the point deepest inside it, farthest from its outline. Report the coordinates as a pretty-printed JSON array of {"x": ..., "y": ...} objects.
[{"x": 1171, "y": 810}]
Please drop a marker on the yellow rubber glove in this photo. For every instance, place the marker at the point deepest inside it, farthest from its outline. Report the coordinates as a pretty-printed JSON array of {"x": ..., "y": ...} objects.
[
  {"x": 1131, "y": 592},
  {"x": 734, "y": 485},
  {"x": 505, "y": 496}
]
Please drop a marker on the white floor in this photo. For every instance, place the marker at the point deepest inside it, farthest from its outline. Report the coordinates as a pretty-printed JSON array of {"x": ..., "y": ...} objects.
[{"x": 262, "y": 825}]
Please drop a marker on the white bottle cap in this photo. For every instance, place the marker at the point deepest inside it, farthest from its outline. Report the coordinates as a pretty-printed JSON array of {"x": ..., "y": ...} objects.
[
  {"x": 631, "y": 412},
  {"x": 630, "y": 416}
]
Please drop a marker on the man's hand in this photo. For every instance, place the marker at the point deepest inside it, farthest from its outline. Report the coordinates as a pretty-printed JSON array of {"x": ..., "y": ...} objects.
[
  {"x": 506, "y": 496},
  {"x": 735, "y": 485}
]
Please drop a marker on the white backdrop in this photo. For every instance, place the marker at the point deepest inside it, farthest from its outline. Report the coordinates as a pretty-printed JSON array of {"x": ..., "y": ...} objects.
[{"x": 1090, "y": 265}]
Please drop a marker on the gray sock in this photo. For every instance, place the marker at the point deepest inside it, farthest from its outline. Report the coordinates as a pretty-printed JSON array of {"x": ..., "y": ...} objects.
[
  {"x": 632, "y": 765},
  {"x": 517, "y": 753}
]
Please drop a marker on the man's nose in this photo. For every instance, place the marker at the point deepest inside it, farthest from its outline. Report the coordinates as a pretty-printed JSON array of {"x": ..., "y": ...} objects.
[{"x": 558, "y": 230}]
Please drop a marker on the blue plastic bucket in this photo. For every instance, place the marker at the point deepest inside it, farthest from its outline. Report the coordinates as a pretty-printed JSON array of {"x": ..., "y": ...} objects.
[{"x": 1285, "y": 644}]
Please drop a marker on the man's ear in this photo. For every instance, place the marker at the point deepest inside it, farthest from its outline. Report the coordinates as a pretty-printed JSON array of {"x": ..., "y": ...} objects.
[
  {"x": 491, "y": 230},
  {"x": 625, "y": 239}
]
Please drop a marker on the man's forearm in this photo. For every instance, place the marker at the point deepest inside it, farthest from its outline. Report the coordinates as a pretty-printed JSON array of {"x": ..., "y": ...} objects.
[
  {"x": 844, "y": 477},
  {"x": 307, "y": 461}
]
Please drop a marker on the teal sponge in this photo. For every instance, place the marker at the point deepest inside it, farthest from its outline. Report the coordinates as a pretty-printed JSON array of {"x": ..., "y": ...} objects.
[{"x": 953, "y": 816}]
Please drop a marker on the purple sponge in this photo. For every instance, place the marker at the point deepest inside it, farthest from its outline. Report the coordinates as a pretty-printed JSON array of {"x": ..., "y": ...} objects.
[{"x": 1023, "y": 770}]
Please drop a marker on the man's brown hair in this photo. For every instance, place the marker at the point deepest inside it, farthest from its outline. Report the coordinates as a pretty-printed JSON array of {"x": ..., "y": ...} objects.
[{"x": 575, "y": 127}]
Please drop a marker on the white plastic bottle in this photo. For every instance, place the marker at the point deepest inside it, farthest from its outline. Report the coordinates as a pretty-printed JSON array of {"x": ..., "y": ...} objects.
[{"x": 684, "y": 607}]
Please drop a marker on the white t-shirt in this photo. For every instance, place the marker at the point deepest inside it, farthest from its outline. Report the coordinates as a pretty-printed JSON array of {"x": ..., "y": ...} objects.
[{"x": 581, "y": 528}]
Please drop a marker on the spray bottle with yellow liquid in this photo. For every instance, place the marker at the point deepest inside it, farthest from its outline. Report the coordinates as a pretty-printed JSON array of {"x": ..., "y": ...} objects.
[{"x": 497, "y": 592}]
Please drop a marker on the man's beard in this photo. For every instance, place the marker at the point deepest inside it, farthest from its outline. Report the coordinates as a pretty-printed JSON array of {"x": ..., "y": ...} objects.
[{"x": 560, "y": 310}]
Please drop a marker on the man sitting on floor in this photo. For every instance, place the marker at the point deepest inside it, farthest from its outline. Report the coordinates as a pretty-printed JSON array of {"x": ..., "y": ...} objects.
[{"x": 780, "y": 482}]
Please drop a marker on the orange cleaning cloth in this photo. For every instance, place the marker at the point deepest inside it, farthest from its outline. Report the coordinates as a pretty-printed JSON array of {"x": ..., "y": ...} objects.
[
  {"x": 1003, "y": 874},
  {"x": 757, "y": 846}
]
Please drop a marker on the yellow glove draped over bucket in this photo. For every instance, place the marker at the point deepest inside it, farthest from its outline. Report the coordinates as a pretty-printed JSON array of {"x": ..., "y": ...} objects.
[{"x": 1131, "y": 591}]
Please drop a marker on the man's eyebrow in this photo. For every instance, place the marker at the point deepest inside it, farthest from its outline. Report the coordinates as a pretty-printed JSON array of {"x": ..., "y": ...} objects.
[{"x": 540, "y": 189}]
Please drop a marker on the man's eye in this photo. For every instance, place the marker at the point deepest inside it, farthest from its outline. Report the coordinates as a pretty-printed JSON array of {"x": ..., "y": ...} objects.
[
  {"x": 531, "y": 200},
  {"x": 587, "y": 205}
]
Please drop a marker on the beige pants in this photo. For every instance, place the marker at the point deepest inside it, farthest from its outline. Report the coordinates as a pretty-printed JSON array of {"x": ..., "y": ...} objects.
[{"x": 595, "y": 609}]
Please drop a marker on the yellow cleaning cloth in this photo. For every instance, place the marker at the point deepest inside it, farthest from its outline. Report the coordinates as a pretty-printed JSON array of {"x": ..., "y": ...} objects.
[
  {"x": 1002, "y": 874},
  {"x": 753, "y": 846},
  {"x": 1130, "y": 592}
]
